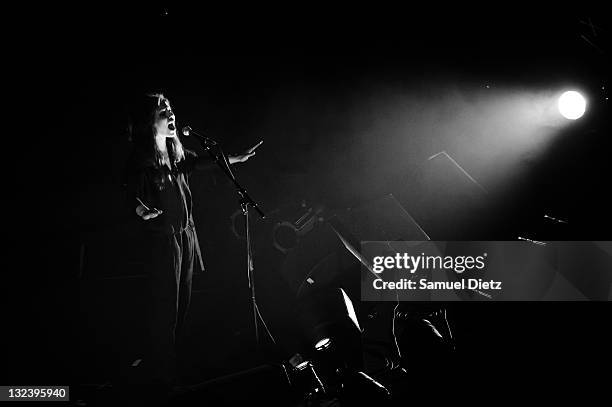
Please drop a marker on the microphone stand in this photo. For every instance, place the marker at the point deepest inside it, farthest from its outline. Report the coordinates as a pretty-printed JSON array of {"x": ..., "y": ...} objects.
[{"x": 246, "y": 202}]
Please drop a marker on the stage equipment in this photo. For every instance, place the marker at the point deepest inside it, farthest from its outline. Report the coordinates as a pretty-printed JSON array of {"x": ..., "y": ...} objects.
[
  {"x": 572, "y": 105},
  {"x": 307, "y": 380},
  {"x": 327, "y": 262},
  {"x": 287, "y": 234}
]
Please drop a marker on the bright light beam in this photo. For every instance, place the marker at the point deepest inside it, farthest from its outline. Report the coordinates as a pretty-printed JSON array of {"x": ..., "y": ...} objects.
[{"x": 572, "y": 105}]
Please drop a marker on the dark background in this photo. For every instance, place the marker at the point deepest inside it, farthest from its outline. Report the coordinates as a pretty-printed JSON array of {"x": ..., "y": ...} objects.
[{"x": 299, "y": 83}]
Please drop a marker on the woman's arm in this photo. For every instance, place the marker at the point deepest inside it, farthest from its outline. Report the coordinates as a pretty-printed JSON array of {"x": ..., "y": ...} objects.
[
  {"x": 205, "y": 161},
  {"x": 233, "y": 159}
]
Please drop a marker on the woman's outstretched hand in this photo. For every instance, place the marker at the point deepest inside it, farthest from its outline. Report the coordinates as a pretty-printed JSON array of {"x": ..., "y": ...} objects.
[{"x": 244, "y": 156}]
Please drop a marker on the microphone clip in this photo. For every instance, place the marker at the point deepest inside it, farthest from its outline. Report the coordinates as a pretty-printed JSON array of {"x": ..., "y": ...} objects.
[{"x": 188, "y": 131}]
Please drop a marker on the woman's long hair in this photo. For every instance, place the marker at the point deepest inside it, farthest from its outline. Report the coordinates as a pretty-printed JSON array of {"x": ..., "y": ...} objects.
[{"x": 142, "y": 132}]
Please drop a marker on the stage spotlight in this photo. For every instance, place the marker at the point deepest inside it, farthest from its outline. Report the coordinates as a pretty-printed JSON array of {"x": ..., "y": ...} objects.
[
  {"x": 572, "y": 105},
  {"x": 323, "y": 344},
  {"x": 306, "y": 381}
]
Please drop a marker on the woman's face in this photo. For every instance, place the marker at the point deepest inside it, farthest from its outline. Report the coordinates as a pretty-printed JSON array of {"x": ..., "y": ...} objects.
[{"x": 165, "y": 122}]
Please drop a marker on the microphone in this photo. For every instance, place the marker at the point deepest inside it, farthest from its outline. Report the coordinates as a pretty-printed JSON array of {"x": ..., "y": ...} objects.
[{"x": 188, "y": 131}]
